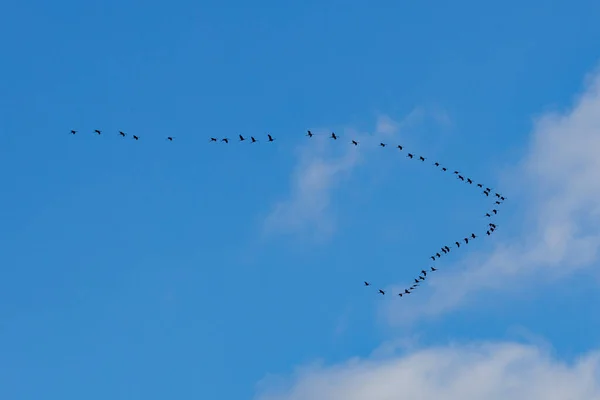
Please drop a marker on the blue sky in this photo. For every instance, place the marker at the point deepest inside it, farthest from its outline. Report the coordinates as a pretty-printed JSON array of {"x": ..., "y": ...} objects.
[{"x": 153, "y": 269}]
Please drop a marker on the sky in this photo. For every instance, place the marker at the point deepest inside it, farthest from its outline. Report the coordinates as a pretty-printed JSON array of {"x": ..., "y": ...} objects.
[{"x": 187, "y": 269}]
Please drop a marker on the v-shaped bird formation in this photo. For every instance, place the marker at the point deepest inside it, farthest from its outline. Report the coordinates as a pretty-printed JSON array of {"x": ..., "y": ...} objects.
[{"x": 443, "y": 250}]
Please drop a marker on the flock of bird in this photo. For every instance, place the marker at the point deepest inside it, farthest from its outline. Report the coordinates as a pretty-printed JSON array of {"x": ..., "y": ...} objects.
[{"x": 487, "y": 191}]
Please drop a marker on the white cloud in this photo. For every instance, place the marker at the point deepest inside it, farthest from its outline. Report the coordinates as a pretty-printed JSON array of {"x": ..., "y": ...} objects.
[
  {"x": 482, "y": 371},
  {"x": 319, "y": 171},
  {"x": 557, "y": 187}
]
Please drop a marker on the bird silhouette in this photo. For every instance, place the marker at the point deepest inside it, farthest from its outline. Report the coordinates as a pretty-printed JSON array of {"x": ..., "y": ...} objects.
[
  {"x": 447, "y": 249},
  {"x": 480, "y": 185},
  {"x": 434, "y": 269},
  {"x": 473, "y": 235},
  {"x": 225, "y": 140},
  {"x": 382, "y": 144},
  {"x": 495, "y": 211},
  {"x": 438, "y": 255},
  {"x": 424, "y": 272},
  {"x": 492, "y": 225},
  {"x": 444, "y": 250},
  {"x": 457, "y": 244},
  {"x": 456, "y": 172},
  {"x": 400, "y": 294},
  {"x": 400, "y": 147},
  {"x": 444, "y": 169},
  {"x": 461, "y": 178},
  {"x": 466, "y": 240},
  {"x": 498, "y": 202},
  {"x": 309, "y": 134},
  {"x": 486, "y": 193},
  {"x": 252, "y": 140},
  {"x": 469, "y": 181},
  {"x": 270, "y": 138},
  {"x": 502, "y": 198},
  {"x": 354, "y": 142},
  {"x": 98, "y": 131},
  {"x": 497, "y": 195},
  {"x": 410, "y": 155},
  {"x": 135, "y": 137},
  {"x": 213, "y": 139},
  {"x": 488, "y": 215},
  {"x": 406, "y": 291},
  {"x": 381, "y": 291},
  {"x": 170, "y": 138},
  {"x": 242, "y": 138},
  {"x": 488, "y": 233},
  {"x": 437, "y": 164},
  {"x": 367, "y": 283},
  {"x": 122, "y": 133},
  {"x": 421, "y": 158},
  {"x": 73, "y": 132},
  {"x": 416, "y": 281},
  {"x": 422, "y": 278},
  {"x": 433, "y": 258},
  {"x": 333, "y": 136}
]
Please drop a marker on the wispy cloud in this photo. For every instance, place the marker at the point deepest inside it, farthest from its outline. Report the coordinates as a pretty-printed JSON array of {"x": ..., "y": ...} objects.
[
  {"x": 319, "y": 171},
  {"x": 556, "y": 187},
  {"x": 478, "y": 371}
]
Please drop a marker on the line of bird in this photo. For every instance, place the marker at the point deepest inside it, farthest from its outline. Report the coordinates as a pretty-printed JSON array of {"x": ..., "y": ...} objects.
[
  {"x": 487, "y": 191},
  {"x": 423, "y": 275},
  {"x": 443, "y": 250}
]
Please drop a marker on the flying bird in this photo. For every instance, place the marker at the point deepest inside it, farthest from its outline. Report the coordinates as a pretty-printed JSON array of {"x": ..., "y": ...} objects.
[
  {"x": 492, "y": 225},
  {"x": 434, "y": 269},
  {"x": 170, "y": 138},
  {"x": 409, "y": 155},
  {"x": 444, "y": 169},
  {"x": 367, "y": 283},
  {"x": 406, "y": 291},
  {"x": 122, "y": 133},
  {"x": 225, "y": 140},
  {"x": 486, "y": 193},
  {"x": 354, "y": 142},
  {"x": 97, "y": 131},
  {"x": 488, "y": 233},
  {"x": 495, "y": 211},
  {"x": 467, "y": 240},
  {"x": 424, "y": 272},
  {"x": 270, "y": 138},
  {"x": 422, "y": 278},
  {"x": 447, "y": 248},
  {"x": 73, "y": 132},
  {"x": 213, "y": 139},
  {"x": 480, "y": 185},
  {"x": 438, "y": 255},
  {"x": 437, "y": 164},
  {"x": 382, "y": 144},
  {"x": 457, "y": 244},
  {"x": 473, "y": 235},
  {"x": 333, "y": 136},
  {"x": 456, "y": 172},
  {"x": 444, "y": 250},
  {"x": 470, "y": 181},
  {"x": 309, "y": 134},
  {"x": 433, "y": 258},
  {"x": 381, "y": 291},
  {"x": 400, "y": 147},
  {"x": 242, "y": 138},
  {"x": 416, "y": 281},
  {"x": 135, "y": 137},
  {"x": 252, "y": 140},
  {"x": 421, "y": 158},
  {"x": 488, "y": 215},
  {"x": 461, "y": 178}
]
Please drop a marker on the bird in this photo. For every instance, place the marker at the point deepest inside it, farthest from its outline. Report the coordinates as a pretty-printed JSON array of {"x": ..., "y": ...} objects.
[
  {"x": 424, "y": 272},
  {"x": 406, "y": 291},
  {"x": 400, "y": 294},
  {"x": 480, "y": 185},
  {"x": 502, "y": 198},
  {"x": 354, "y": 142},
  {"x": 421, "y": 158},
  {"x": 486, "y": 193},
  {"x": 122, "y": 133},
  {"x": 135, "y": 137},
  {"x": 492, "y": 225},
  {"x": 444, "y": 250},
  {"x": 225, "y": 140},
  {"x": 213, "y": 139},
  {"x": 381, "y": 291},
  {"x": 98, "y": 131},
  {"x": 469, "y": 181},
  {"x": 488, "y": 233},
  {"x": 495, "y": 211},
  {"x": 447, "y": 248},
  {"x": 488, "y": 215},
  {"x": 497, "y": 195},
  {"x": 473, "y": 235},
  {"x": 367, "y": 283},
  {"x": 444, "y": 169},
  {"x": 270, "y": 138},
  {"x": 410, "y": 155},
  {"x": 170, "y": 138},
  {"x": 437, "y": 164},
  {"x": 382, "y": 144},
  {"x": 498, "y": 202},
  {"x": 461, "y": 178},
  {"x": 433, "y": 258},
  {"x": 438, "y": 255},
  {"x": 416, "y": 281},
  {"x": 457, "y": 244},
  {"x": 252, "y": 140},
  {"x": 73, "y": 132},
  {"x": 333, "y": 136},
  {"x": 467, "y": 240},
  {"x": 309, "y": 134},
  {"x": 422, "y": 278},
  {"x": 434, "y": 269},
  {"x": 456, "y": 172},
  {"x": 242, "y": 138},
  {"x": 400, "y": 147},
  {"x": 487, "y": 189},
  {"x": 492, "y": 229}
]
